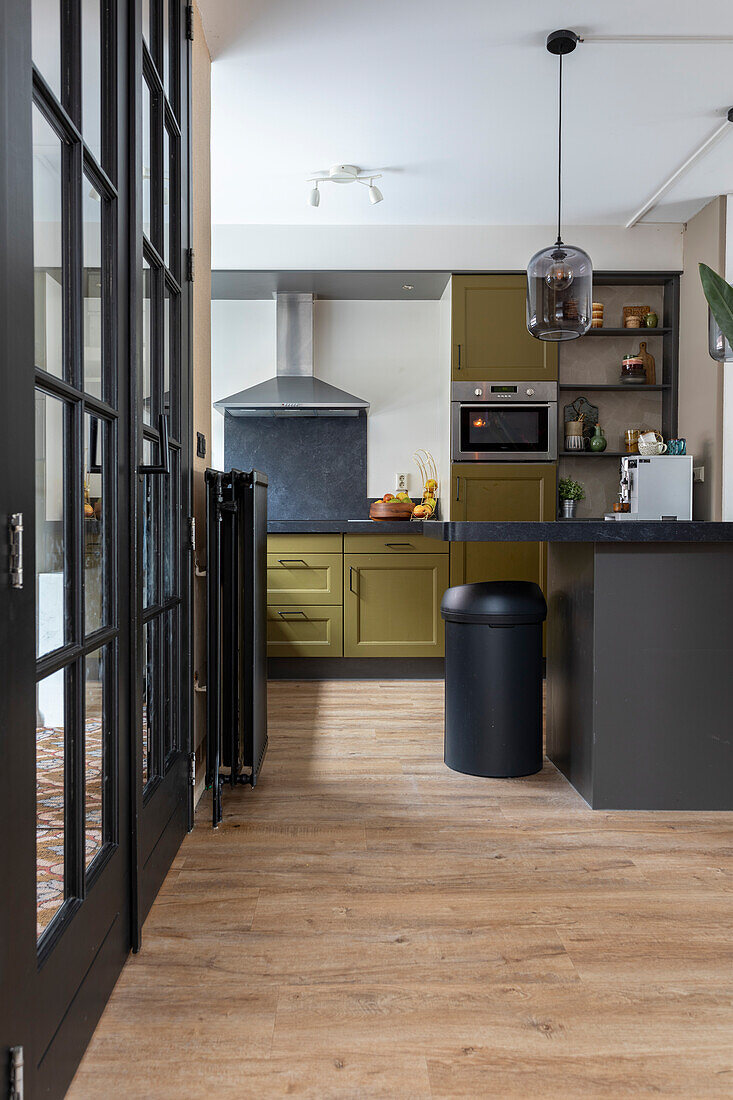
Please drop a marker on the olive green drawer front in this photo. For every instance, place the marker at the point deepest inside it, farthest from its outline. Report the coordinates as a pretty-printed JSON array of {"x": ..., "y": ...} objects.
[
  {"x": 295, "y": 578},
  {"x": 304, "y": 544},
  {"x": 394, "y": 544},
  {"x": 308, "y": 631},
  {"x": 392, "y": 605}
]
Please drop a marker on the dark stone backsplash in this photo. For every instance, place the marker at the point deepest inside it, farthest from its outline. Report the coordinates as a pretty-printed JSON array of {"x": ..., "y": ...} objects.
[{"x": 315, "y": 465}]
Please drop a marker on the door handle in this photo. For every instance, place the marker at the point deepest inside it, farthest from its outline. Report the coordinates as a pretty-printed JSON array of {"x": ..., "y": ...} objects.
[
  {"x": 163, "y": 466},
  {"x": 458, "y": 365},
  {"x": 404, "y": 545},
  {"x": 351, "y": 582},
  {"x": 292, "y": 561},
  {"x": 15, "y": 531},
  {"x": 286, "y": 614},
  {"x": 458, "y": 488}
]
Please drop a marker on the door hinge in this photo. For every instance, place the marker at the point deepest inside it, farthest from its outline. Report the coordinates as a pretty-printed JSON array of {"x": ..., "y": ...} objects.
[
  {"x": 16, "y": 1073},
  {"x": 192, "y": 768},
  {"x": 192, "y": 534},
  {"x": 189, "y": 265},
  {"x": 15, "y": 535},
  {"x": 189, "y": 22}
]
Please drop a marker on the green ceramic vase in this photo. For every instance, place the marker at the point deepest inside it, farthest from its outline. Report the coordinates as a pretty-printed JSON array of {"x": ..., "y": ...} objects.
[{"x": 598, "y": 441}]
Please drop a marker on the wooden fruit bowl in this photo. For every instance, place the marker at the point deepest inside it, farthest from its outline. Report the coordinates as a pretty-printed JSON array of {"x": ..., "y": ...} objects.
[{"x": 388, "y": 510}]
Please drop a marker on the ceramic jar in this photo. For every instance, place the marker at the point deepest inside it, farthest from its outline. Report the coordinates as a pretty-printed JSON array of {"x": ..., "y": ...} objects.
[{"x": 598, "y": 441}]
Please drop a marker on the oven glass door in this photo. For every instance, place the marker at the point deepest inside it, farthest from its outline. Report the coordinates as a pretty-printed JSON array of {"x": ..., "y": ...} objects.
[{"x": 498, "y": 429}]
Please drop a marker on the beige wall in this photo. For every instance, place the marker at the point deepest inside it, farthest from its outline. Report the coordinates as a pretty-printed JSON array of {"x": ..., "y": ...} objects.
[
  {"x": 201, "y": 197},
  {"x": 701, "y": 378}
]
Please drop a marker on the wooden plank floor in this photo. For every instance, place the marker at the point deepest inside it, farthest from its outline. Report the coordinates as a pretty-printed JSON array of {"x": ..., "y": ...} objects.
[{"x": 367, "y": 923}]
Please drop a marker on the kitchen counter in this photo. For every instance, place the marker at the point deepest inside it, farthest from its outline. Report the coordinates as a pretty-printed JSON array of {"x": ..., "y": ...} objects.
[
  {"x": 347, "y": 527},
  {"x": 564, "y": 530}
]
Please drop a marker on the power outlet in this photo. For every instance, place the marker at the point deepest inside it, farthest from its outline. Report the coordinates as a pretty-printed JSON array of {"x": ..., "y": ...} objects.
[
  {"x": 400, "y": 483},
  {"x": 698, "y": 473}
]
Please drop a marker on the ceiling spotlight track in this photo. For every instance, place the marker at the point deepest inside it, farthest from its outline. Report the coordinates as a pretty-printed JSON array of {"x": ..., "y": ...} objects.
[{"x": 346, "y": 173}]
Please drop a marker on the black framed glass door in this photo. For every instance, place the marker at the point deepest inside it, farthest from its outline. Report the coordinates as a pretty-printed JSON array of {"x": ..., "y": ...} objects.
[
  {"x": 163, "y": 432},
  {"x": 94, "y": 615},
  {"x": 65, "y": 638}
]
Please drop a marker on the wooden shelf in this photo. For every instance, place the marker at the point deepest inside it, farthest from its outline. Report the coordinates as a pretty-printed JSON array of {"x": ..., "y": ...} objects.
[
  {"x": 613, "y": 386},
  {"x": 594, "y": 454},
  {"x": 630, "y": 332}
]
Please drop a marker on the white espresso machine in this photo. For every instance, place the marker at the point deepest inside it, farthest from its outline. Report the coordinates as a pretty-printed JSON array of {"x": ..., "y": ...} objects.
[{"x": 659, "y": 487}]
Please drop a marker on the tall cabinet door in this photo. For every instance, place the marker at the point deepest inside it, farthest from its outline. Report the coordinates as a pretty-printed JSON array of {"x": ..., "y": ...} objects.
[
  {"x": 501, "y": 491},
  {"x": 490, "y": 338}
]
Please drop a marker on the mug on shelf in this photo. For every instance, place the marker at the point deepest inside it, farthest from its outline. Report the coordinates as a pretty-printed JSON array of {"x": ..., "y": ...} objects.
[
  {"x": 574, "y": 438},
  {"x": 651, "y": 443},
  {"x": 631, "y": 440}
]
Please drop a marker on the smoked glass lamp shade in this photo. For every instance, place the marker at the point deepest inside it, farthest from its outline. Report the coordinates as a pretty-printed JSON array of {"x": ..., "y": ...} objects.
[
  {"x": 718, "y": 346},
  {"x": 559, "y": 293}
]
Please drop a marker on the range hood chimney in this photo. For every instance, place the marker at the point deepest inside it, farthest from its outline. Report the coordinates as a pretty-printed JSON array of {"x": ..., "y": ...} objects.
[{"x": 295, "y": 390}]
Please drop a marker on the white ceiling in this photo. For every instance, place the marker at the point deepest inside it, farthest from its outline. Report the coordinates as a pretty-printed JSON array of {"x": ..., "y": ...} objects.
[{"x": 456, "y": 102}]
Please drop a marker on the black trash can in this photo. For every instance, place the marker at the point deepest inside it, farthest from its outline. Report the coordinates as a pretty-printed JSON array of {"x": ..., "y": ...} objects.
[{"x": 493, "y": 678}]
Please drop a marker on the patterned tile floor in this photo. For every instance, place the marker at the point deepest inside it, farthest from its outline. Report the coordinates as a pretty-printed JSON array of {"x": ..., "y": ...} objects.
[{"x": 50, "y": 813}]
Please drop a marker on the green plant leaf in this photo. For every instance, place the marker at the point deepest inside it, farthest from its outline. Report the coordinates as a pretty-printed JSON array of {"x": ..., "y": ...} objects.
[{"x": 719, "y": 294}]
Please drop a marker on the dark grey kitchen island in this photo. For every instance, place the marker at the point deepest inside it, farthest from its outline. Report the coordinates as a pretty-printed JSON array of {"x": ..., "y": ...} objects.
[
  {"x": 639, "y": 657},
  {"x": 639, "y": 652}
]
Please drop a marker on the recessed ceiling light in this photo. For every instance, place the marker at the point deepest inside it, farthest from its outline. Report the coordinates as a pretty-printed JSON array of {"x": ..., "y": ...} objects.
[{"x": 407, "y": 286}]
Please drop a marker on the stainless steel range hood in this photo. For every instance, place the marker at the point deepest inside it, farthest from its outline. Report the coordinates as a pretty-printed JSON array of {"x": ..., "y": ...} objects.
[{"x": 295, "y": 390}]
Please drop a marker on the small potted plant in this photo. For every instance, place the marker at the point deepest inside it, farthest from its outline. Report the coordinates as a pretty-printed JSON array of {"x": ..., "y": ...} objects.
[{"x": 570, "y": 493}]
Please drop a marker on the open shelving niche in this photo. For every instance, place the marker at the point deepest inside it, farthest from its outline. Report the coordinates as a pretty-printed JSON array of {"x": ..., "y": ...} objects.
[{"x": 592, "y": 365}]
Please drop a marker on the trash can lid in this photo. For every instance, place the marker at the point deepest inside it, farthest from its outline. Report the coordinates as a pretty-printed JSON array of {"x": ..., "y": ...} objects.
[{"x": 504, "y": 602}]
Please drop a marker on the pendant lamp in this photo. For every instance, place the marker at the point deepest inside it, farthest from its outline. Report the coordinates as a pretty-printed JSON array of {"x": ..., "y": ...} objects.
[{"x": 560, "y": 278}]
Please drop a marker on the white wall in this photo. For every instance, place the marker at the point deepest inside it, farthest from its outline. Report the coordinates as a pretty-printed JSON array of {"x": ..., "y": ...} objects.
[
  {"x": 389, "y": 353},
  {"x": 646, "y": 247}
]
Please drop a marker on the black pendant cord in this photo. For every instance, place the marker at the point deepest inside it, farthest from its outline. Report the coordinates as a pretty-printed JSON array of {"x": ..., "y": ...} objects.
[{"x": 559, "y": 153}]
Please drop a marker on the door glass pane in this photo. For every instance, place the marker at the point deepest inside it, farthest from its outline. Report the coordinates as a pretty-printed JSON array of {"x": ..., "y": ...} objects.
[
  {"x": 147, "y": 158},
  {"x": 93, "y": 314},
  {"x": 46, "y": 32},
  {"x": 167, "y": 360},
  {"x": 96, "y": 504},
  {"x": 166, "y": 47},
  {"x": 96, "y": 755},
  {"x": 172, "y": 687},
  {"x": 147, "y": 344},
  {"x": 146, "y": 23},
  {"x": 148, "y": 730},
  {"x": 52, "y": 628},
  {"x": 47, "y": 247},
  {"x": 91, "y": 75},
  {"x": 170, "y": 526},
  {"x": 166, "y": 197},
  {"x": 150, "y": 525},
  {"x": 50, "y": 797}
]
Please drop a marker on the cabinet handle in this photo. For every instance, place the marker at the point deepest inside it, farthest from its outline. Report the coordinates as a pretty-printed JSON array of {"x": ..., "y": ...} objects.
[
  {"x": 292, "y": 561},
  {"x": 458, "y": 488},
  {"x": 351, "y": 582},
  {"x": 286, "y": 614},
  {"x": 459, "y": 357},
  {"x": 407, "y": 545}
]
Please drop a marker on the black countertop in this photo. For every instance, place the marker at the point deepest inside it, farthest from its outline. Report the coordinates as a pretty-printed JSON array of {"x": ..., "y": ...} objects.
[{"x": 567, "y": 530}]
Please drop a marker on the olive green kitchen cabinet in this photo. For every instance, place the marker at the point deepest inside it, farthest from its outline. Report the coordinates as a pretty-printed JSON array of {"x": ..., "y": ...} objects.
[
  {"x": 501, "y": 491},
  {"x": 490, "y": 342},
  {"x": 392, "y": 604}
]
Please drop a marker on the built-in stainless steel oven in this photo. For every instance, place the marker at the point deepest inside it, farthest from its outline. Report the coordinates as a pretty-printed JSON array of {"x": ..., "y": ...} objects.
[{"x": 504, "y": 421}]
